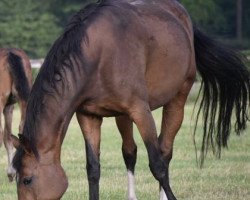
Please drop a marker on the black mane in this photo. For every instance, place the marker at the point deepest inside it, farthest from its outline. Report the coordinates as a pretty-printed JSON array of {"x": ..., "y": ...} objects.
[{"x": 65, "y": 52}]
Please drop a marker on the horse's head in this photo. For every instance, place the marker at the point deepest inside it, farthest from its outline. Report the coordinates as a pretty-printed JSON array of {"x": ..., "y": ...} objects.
[{"x": 37, "y": 179}]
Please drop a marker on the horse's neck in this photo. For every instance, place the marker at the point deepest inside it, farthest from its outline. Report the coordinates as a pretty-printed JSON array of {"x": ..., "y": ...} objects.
[
  {"x": 57, "y": 108},
  {"x": 51, "y": 129}
]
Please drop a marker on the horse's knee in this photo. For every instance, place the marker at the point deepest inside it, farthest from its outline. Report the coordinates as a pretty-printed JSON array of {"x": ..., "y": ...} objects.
[
  {"x": 7, "y": 140},
  {"x": 167, "y": 154},
  {"x": 130, "y": 158},
  {"x": 166, "y": 150}
]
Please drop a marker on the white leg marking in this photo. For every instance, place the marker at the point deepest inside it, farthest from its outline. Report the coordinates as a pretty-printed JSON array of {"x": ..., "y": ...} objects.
[
  {"x": 131, "y": 186},
  {"x": 10, "y": 171},
  {"x": 1, "y": 133},
  {"x": 163, "y": 195}
]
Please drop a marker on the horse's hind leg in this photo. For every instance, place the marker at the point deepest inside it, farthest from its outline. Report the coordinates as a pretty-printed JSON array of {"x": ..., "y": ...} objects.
[
  {"x": 172, "y": 118},
  {"x": 90, "y": 127},
  {"x": 8, "y": 111},
  {"x": 141, "y": 114},
  {"x": 129, "y": 150},
  {"x": 23, "y": 106}
]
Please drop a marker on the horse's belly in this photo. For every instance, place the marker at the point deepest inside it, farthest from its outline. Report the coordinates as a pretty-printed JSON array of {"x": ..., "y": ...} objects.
[{"x": 100, "y": 108}]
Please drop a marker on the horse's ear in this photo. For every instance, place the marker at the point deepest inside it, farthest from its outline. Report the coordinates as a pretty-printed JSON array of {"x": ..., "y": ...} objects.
[
  {"x": 15, "y": 141},
  {"x": 25, "y": 143}
]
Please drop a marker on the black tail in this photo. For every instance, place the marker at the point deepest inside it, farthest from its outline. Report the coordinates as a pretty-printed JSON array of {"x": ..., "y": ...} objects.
[
  {"x": 19, "y": 77},
  {"x": 225, "y": 91}
]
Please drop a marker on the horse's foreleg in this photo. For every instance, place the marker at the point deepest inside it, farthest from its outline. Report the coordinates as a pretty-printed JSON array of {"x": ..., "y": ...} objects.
[
  {"x": 90, "y": 127},
  {"x": 23, "y": 106},
  {"x": 8, "y": 111},
  {"x": 142, "y": 116},
  {"x": 172, "y": 117},
  {"x": 129, "y": 151}
]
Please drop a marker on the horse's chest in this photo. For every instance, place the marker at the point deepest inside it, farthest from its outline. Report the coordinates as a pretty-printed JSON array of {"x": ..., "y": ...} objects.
[{"x": 99, "y": 109}]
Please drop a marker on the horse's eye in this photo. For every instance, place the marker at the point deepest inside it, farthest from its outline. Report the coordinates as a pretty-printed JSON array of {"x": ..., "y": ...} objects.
[{"x": 27, "y": 181}]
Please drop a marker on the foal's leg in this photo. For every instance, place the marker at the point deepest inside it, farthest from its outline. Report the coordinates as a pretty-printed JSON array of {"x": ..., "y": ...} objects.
[
  {"x": 8, "y": 111},
  {"x": 90, "y": 127},
  {"x": 129, "y": 150},
  {"x": 23, "y": 106},
  {"x": 140, "y": 113},
  {"x": 172, "y": 118}
]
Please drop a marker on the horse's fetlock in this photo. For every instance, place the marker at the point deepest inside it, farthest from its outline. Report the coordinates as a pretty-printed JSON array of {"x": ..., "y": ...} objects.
[{"x": 130, "y": 158}]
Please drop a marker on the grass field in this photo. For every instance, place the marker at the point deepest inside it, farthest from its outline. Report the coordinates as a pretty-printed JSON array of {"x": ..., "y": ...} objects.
[{"x": 225, "y": 179}]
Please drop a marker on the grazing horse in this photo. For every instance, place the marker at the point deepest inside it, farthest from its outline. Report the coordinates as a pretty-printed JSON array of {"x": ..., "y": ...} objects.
[
  {"x": 15, "y": 86},
  {"x": 123, "y": 59}
]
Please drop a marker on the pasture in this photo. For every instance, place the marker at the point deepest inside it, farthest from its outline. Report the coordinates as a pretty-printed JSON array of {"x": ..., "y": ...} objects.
[{"x": 225, "y": 179}]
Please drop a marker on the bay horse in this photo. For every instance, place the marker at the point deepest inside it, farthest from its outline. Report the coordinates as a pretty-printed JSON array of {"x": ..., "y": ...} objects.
[
  {"x": 15, "y": 86},
  {"x": 123, "y": 59}
]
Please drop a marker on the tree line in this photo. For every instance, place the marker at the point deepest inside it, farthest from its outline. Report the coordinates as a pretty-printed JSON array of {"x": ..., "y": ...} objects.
[
  {"x": 33, "y": 25},
  {"x": 228, "y": 18}
]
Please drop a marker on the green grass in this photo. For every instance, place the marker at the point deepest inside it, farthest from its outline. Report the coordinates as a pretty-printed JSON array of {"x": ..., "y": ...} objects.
[{"x": 225, "y": 179}]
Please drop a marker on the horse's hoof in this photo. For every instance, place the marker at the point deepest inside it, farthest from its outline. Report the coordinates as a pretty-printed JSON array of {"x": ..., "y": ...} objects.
[
  {"x": 132, "y": 197},
  {"x": 11, "y": 177},
  {"x": 11, "y": 173}
]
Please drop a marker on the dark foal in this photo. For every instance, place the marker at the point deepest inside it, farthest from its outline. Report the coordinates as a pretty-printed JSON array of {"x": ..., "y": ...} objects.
[
  {"x": 15, "y": 86},
  {"x": 124, "y": 59}
]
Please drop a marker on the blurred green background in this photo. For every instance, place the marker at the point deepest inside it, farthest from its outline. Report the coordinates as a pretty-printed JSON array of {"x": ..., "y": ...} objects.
[{"x": 33, "y": 25}]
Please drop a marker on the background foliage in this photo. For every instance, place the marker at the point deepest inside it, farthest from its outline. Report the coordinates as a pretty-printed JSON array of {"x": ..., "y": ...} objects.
[
  {"x": 218, "y": 18},
  {"x": 34, "y": 25}
]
